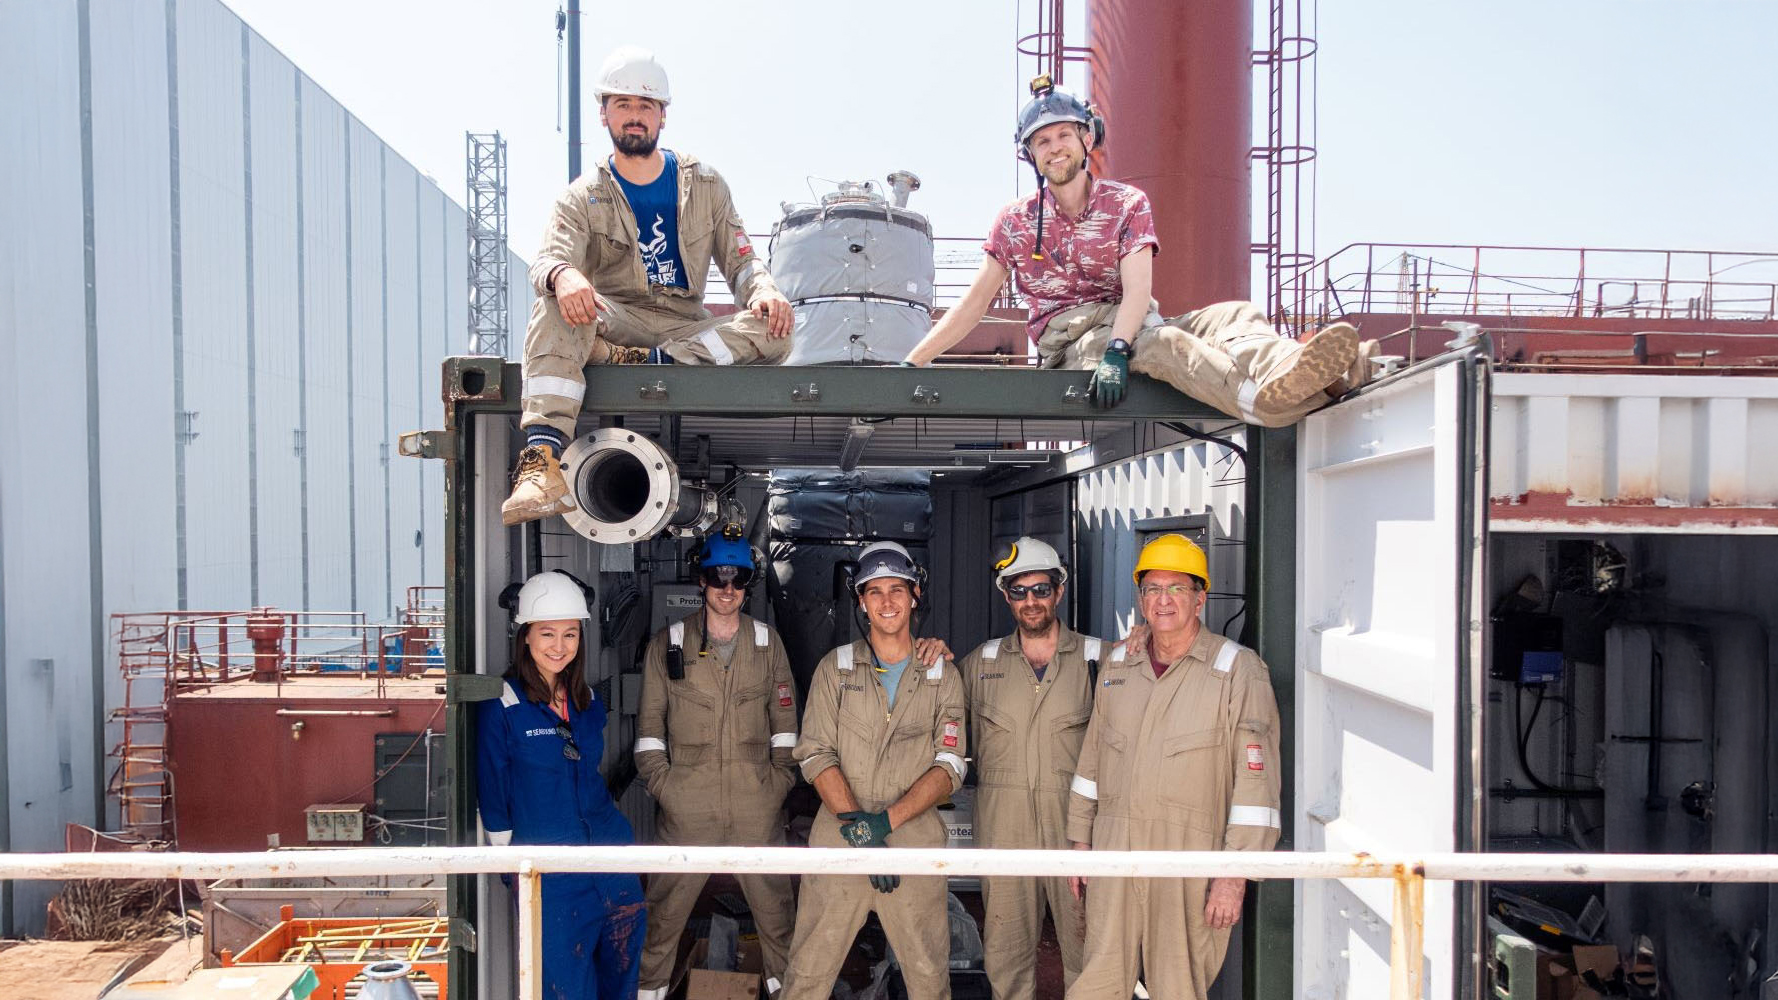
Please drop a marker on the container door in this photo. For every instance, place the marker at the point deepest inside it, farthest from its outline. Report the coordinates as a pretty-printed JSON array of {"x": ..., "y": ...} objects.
[{"x": 1390, "y": 526}]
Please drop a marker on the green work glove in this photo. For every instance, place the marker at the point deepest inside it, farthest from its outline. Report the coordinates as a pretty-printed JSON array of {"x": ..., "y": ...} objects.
[
  {"x": 1109, "y": 380},
  {"x": 862, "y": 829},
  {"x": 885, "y": 883}
]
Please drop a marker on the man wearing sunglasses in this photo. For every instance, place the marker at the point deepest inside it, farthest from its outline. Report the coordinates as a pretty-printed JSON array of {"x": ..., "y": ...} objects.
[
  {"x": 714, "y": 736},
  {"x": 883, "y": 744},
  {"x": 1030, "y": 694},
  {"x": 1180, "y": 755}
]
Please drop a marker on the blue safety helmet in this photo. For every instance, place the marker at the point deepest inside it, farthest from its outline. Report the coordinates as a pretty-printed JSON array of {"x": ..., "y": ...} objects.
[{"x": 720, "y": 551}]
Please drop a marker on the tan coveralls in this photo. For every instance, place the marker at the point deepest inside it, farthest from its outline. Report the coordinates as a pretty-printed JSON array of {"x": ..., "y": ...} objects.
[
  {"x": 715, "y": 751},
  {"x": 1220, "y": 354},
  {"x": 1026, "y": 735},
  {"x": 848, "y": 724},
  {"x": 1183, "y": 762},
  {"x": 594, "y": 229}
]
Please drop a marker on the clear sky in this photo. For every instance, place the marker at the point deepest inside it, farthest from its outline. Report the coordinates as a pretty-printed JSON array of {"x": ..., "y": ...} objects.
[{"x": 1579, "y": 122}]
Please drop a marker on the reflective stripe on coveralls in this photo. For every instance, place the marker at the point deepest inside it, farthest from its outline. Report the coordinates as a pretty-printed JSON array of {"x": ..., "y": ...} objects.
[
  {"x": 1182, "y": 762},
  {"x": 1026, "y": 736},
  {"x": 882, "y": 752},
  {"x": 593, "y": 228},
  {"x": 530, "y": 792},
  {"x": 714, "y": 749}
]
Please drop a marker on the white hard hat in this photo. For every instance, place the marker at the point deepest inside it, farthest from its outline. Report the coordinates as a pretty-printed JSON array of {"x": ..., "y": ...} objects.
[
  {"x": 1027, "y": 555},
  {"x": 550, "y": 597},
  {"x": 883, "y": 559},
  {"x": 633, "y": 71}
]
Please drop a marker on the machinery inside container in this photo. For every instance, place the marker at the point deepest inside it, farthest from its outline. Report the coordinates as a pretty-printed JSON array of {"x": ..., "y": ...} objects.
[
  {"x": 812, "y": 491},
  {"x": 1629, "y": 710}
]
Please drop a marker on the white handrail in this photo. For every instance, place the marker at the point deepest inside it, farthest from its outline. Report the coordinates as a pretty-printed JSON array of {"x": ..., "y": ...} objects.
[{"x": 1409, "y": 872}]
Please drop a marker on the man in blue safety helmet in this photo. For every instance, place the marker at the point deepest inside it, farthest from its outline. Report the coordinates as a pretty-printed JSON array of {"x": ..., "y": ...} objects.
[
  {"x": 1081, "y": 249},
  {"x": 714, "y": 736}
]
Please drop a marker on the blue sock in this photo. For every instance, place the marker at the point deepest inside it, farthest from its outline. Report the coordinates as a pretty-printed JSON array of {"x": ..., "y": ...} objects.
[
  {"x": 540, "y": 434},
  {"x": 656, "y": 356}
]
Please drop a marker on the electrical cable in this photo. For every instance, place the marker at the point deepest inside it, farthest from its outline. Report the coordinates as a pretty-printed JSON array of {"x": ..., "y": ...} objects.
[
  {"x": 1194, "y": 433},
  {"x": 1523, "y": 728}
]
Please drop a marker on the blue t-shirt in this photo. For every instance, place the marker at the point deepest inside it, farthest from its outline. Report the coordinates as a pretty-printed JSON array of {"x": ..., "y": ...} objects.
[
  {"x": 892, "y": 675},
  {"x": 656, "y": 205}
]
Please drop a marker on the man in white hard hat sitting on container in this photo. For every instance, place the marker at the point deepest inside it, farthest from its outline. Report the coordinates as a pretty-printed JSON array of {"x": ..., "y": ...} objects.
[{"x": 620, "y": 278}]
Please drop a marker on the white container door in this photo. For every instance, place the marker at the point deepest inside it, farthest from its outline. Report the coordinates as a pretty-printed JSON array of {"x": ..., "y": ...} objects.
[{"x": 1390, "y": 524}]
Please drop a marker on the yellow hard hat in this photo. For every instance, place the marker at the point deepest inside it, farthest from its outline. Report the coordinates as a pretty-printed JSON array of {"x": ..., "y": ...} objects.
[{"x": 1173, "y": 552}]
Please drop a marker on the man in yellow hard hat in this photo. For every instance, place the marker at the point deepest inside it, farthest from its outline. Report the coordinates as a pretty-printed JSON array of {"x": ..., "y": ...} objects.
[{"x": 1180, "y": 755}]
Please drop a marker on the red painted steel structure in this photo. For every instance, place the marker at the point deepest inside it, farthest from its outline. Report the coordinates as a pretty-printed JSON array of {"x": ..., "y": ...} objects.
[{"x": 1175, "y": 82}]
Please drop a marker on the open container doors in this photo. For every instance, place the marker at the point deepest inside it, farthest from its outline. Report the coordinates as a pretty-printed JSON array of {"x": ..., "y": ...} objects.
[{"x": 1391, "y": 520}]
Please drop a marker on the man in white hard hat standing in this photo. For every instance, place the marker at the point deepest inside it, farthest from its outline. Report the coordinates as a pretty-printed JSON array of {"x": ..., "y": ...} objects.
[
  {"x": 883, "y": 743},
  {"x": 1030, "y": 695},
  {"x": 1087, "y": 279},
  {"x": 621, "y": 277}
]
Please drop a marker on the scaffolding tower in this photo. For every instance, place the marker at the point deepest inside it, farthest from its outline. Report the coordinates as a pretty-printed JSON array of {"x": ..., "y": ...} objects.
[{"x": 489, "y": 315}]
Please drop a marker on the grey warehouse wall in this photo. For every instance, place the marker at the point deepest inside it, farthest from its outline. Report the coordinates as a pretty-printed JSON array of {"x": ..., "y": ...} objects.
[{"x": 221, "y": 298}]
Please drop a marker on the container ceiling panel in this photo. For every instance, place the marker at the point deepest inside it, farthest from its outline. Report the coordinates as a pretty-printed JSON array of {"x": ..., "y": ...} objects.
[{"x": 1663, "y": 453}]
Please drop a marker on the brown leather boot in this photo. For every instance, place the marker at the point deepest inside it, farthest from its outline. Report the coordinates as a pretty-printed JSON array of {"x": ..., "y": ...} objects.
[
  {"x": 538, "y": 489},
  {"x": 1324, "y": 360}
]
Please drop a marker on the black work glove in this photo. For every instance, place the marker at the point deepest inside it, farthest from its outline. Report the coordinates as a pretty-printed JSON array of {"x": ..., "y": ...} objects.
[
  {"x": 865, "y": 829},
  {"x": 1109, "y": 380}
]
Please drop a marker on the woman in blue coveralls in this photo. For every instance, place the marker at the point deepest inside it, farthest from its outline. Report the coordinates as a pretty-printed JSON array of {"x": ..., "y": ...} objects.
[{"x": 537, "y": 771}]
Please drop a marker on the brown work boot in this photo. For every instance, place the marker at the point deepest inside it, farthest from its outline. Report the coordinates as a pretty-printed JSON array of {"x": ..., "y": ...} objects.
[
  {"x": 1324, "y": 360},
  {"x": 538, "y": 489},
  {"x": 621, "y": 355}
]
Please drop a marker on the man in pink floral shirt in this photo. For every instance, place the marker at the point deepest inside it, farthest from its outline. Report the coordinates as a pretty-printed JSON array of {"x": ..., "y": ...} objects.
[{"x": 1082, "y": 251}]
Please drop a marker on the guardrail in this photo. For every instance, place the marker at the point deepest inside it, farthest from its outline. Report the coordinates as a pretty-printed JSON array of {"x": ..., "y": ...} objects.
[{"x": 1408, "y": 872}]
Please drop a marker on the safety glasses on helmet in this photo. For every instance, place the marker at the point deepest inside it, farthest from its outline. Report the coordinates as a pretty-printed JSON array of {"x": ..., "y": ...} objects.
[
  {"x": 1041, "y": 591},
  {"x": 719, "y": 577}
]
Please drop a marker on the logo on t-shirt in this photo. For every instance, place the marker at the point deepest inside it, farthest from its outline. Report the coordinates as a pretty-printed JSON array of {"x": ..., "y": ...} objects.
[{"x": 658, "y": 256}]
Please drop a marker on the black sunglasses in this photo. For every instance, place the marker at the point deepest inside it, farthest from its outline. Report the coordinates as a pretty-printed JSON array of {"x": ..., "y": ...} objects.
[
  {"x": 1041, "y": 591},
  {"x": 718, "y": 577},
  {"x": 570, "y": 749}
]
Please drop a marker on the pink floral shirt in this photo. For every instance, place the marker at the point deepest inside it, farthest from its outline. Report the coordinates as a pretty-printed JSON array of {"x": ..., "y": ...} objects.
[{"x": 1081, "y": 255}]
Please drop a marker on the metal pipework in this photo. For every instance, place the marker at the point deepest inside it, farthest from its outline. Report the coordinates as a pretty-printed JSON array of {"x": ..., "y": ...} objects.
[
  {"x": 627, "y": 489},
  {"x": 901, "y": 184}
]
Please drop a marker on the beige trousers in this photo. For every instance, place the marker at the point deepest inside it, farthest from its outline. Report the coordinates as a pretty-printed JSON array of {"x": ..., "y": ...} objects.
[
  {"x": 555, "y": 352},
  {"x": 1220, "y": 354},
  {"x": 1152, "y": 929},
  {"x": 1012, "y": 924}
]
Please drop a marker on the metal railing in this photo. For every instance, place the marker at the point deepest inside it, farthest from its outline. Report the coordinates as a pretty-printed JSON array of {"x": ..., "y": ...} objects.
[
  {"x": 279, "y": 645},
  {"x": 1408, "y": 873},
  {"x": 1503, "y": 280}
]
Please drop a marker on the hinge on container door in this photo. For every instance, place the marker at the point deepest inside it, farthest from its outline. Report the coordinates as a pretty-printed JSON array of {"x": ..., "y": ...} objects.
[
  {"x": 297, "y": 442},
  {"x": 464, "y": 688},
  {"x": 188, "y": 426},
  {"x": 383, "y": 452},
  {"x": 462, "y": 934},
  {"x": 423, "y": 444}
]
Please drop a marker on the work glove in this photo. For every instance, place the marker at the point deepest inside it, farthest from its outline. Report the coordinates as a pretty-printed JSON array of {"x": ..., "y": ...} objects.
[
  {"x": 862, "y": 829},
  {"x": 1109, "y": 380}
]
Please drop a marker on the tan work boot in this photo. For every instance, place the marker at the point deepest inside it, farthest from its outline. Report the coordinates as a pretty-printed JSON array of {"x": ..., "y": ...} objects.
[
  {"x": 538, "y": 489},
  {"x": 1362, "y": 373},
  {"x": 1324, "y": 360}
]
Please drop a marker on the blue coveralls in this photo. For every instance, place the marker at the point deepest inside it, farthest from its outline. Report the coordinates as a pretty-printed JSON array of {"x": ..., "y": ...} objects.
[{"x": 593, "y": 924}]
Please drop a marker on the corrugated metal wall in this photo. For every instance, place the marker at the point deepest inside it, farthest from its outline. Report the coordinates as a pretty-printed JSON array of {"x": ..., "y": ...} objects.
[{"x": 221, "y": 297}]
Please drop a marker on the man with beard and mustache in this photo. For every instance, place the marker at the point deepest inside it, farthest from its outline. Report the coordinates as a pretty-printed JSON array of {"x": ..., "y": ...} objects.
[
  {"x": 621, "y": 277},
  {"x": 1082, "y": 252},
  {"x": 1030, "y": 696}
]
